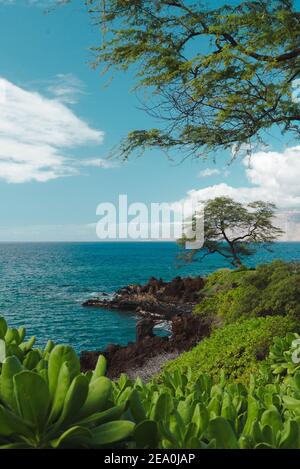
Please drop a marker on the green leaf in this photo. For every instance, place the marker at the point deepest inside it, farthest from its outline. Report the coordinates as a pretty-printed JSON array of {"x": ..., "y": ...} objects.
[
  {"x": 100, "y": 368},
  {"x": 252, "y": 414},
  {"x": 3, "y": 327},
  {"x": 290, "y": 436},
  {"x": 162, "y": 407},
  {"x": 75, "y": 398},
  {"x": 200, "y": 417},
  {"x": 99, "y": 392},
  {"x": 220, "y": 430},
  {"x": 185, "y": 411},
  {"x": 31, "y": 359},
  {"x": 112, "y": 432},
  {"x": 136, "y": 407},
  {"x": 10, "y": 367},
  {"x": 11, "y": 423},
  {"x": 32, "y": 396},
  {"x": 65, "y": 440},
  {"x": 146, "y": 434},
  {"x": 12, "y": 336},
  {"x": 292, "y": 403},
  {"x": 272, "y": 418},
  {"x": 26, "y": 346},
  {"x": 114, "y": 413},
  {"x": 63, "y": 384},
  {"x": 2, "y": 350},
  {"x": 49, "y": 347},
  {"x": 59, "y": 355},
  {"x": 22, "y": 333}
]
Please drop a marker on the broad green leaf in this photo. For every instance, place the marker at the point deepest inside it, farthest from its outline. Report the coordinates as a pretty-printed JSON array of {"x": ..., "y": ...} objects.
[
  {"x": 32, "y": 396},
  {"x": 252, "y": 414},
  {"x": 220, "y": 430},
  {"x": 99, "y": 392},
  {"x": 63, "y": 384},
  {"x": 10, "y": 367},
  {"x": 162, "y": 407},
  {"x": 112, "y": 432},
  {"x": 146, "y": 434},
  {"x": 136, "y": 407},
  {"x": 49, "y": 347},
  {"x": 272, "y": 418},
  {"x": 59, "y": 355},
  {"x": 26, "y": 346},
  {"x": 71, "y": 433},
  {"x": 290, "y": 436},
  {"x": 11, "y": 423},
  {"x": 74, "y": 400},
  {"x": 31, "y": 359},
  {"x": 22, "y": 333},
  {"x": 3, "y": 327},
  {"x": 200, "y": 417},
  {"x": 12, "y": 336},
  {"x": 100, "y": 368},
  {"x": 114, "y": 413}
]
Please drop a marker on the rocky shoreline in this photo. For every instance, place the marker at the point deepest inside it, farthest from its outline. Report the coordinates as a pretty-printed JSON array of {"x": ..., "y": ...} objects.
[{"x": 155, "y": 301}]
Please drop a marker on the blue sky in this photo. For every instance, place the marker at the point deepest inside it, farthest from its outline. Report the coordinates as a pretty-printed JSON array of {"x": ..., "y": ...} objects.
[{"x": 54, "y": 194}]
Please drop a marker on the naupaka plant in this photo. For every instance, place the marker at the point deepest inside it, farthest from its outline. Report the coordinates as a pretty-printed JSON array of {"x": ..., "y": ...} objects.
[{"x": 57, "y": 406}]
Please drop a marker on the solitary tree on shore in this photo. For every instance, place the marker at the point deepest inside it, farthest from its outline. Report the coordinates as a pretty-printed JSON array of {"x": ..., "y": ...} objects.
[
  {"x": 218, "y": 76},
  {"x": 234, "y": 230}
]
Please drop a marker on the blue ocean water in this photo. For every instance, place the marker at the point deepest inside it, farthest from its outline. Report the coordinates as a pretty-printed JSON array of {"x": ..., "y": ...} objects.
[{"x": 42, "y": 285}]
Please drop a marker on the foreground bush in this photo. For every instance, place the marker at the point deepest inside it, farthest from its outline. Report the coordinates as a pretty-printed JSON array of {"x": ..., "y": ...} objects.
[
  {"x": 270, "y": 289},
  {"x": 182, "y": 413},
  {"x": 235, "y": 349},
  {"x": 54, "y": 405}
]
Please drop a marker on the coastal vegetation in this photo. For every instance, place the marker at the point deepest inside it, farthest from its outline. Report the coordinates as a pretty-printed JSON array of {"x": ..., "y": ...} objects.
[
  {"x": 270, "y": 289},
  {"x": 238, "y": 388},
  {"x": 54, "y": 405},
  {"x": 235, "y": 350},
  {"x": 232, "y": 230},
  {"x": 218, "y": 78}
]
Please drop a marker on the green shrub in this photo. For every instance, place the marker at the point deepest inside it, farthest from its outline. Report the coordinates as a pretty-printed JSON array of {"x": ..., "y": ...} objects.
[
  {"x": 59, "y": 407},
  {"x": 54, "y": 405},
  {"x": 183, "y": 413},
  {"x": 270, "y": 289},
  {"x": 284, "y": 356},
  {"x": 236, "y": 349}
]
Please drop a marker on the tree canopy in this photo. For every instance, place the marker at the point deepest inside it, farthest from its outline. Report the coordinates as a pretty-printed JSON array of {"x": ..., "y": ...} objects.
[
  {"x": 234, "y": 230},
  {"x": 217, "y": 76}
]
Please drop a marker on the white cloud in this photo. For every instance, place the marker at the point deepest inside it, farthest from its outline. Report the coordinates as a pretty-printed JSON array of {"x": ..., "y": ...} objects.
[
  {"x": 209, "y": 172},
  {"x": 36, "y": 135},
  {"x": 66, "y": 88},
  {"x": 99, "y": 163},
  {"x": 273, "y": 177}
]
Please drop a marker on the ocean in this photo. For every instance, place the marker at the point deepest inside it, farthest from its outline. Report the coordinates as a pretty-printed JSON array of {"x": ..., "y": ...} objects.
[{"x": 42, "y": 285}]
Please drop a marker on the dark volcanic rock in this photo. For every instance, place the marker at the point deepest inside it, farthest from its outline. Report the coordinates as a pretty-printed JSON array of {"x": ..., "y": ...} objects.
[
  {"x": 187, "y": 331},
  {"x": 144, "y": 328},
  {"x": 156, "y": 299}
]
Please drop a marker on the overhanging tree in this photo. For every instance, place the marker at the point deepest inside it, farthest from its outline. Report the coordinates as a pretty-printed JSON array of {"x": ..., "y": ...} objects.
[
  {"x": 219, "y": 76},
  {"x": 234, "y": 230}
]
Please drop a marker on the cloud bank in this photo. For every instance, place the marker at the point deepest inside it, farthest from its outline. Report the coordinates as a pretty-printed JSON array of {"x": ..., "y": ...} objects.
[
  {"x": 272, "y": 177},
  {"x": 37, "y": 135}
]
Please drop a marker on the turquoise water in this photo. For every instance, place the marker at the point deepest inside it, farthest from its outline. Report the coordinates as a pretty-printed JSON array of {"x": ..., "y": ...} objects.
[{"x": 43, "y": 285}]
